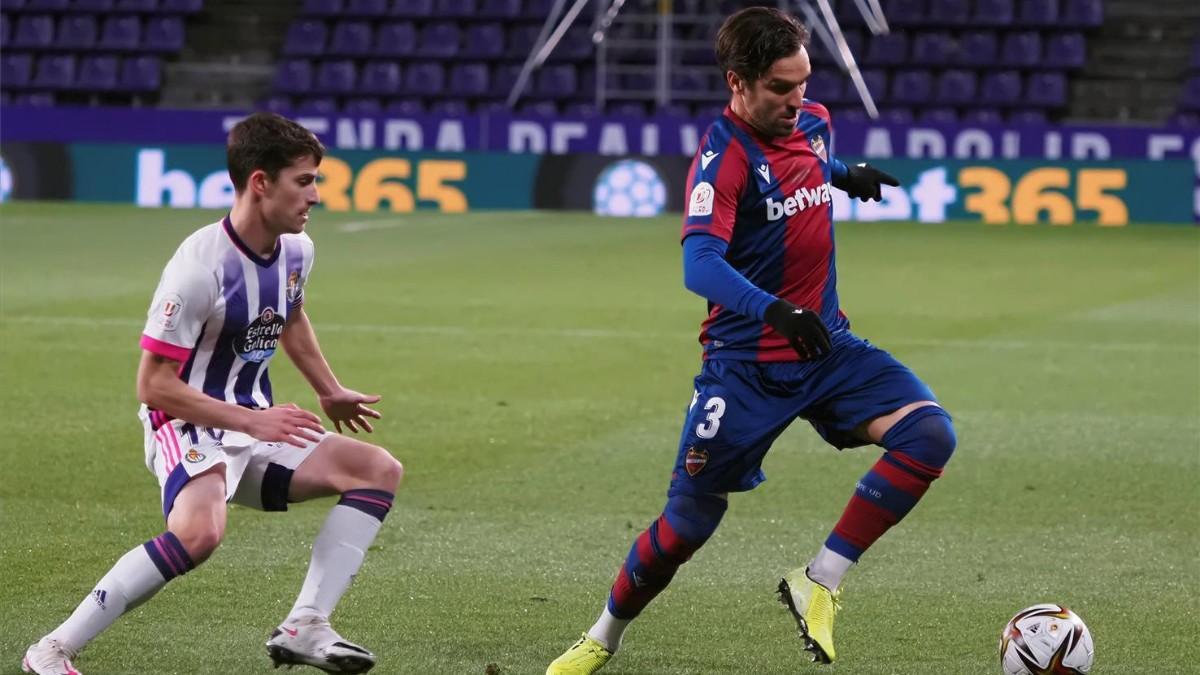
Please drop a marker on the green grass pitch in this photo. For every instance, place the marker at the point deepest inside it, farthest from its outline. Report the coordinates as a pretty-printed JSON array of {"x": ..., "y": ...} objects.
[{"x": 535, "y": 368}]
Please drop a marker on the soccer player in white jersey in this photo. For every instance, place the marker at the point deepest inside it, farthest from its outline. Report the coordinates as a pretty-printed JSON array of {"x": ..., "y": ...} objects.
[{"x": 232, "y": 293}]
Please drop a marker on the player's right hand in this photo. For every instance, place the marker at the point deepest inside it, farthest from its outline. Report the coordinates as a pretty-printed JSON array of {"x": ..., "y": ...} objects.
[
  {"x": 803, "y": 328},
  {"x": 286, "y": 423}
]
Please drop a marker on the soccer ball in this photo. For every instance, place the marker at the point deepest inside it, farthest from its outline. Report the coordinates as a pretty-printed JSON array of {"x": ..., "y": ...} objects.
[
  {"x": 629, "y": 188},
  {"x": 1046, "y": 640}
]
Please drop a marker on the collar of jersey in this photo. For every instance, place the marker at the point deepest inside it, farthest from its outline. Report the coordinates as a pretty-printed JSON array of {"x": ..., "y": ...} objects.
[
  {"x": 241, "y": 246},
  {"x": 754, "y": 133}
]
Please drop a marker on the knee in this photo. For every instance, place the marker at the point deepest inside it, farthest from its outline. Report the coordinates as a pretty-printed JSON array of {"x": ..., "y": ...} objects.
[
  {"x": 926, "y": 435},
  {"x": 200, "y": 537},
  {"x": 694, "y": 518},
  {"x": 379, "y": 470}
]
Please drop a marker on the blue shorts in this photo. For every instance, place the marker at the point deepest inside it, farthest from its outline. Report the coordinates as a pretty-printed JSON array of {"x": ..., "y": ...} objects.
[{"x": 741, "y": 407}]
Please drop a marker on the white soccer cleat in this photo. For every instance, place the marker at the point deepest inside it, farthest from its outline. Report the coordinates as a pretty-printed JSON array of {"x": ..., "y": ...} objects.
[
  {"x": 48, "y": 657},
  {"x": 310, "y": 640}
]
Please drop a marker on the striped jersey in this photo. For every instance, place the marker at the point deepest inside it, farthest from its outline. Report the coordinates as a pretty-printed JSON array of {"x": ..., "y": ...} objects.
[
  {"x": 220, "y": 310},
  {"x": 769, "y": 198}
]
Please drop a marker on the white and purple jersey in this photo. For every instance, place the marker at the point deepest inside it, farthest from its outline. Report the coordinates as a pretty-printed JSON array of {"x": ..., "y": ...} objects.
[{"x": 220, "y": 310}]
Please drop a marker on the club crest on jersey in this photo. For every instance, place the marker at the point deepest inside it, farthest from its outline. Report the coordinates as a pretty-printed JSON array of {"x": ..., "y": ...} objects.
[
  {"x": 700, "y": 203},
  {"x": 169, "y": 311},
  {"x": 818, "y": 146},
  {"x": 261, "y": 338},
  {"x": 193, "y": 456},
  {"x": 695, "y": 460},
  {"x": 294, "y": 290}
]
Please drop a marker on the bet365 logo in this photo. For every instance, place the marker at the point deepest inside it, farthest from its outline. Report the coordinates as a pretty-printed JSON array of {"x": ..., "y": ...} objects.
[{"x": 800, "y": 200}]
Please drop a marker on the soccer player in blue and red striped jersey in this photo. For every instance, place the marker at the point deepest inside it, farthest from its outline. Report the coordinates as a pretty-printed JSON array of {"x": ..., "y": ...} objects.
[{"x": 758, "y": 244}]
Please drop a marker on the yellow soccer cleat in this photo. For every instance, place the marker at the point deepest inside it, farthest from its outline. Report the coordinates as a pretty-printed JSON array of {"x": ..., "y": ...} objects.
[
  {"x": 813, "y": 607},
  {"x": 583, "y": 658}
]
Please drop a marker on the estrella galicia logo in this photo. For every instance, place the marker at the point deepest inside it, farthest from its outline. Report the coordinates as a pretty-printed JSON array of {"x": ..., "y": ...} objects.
[{"x": 261, "y": 337}]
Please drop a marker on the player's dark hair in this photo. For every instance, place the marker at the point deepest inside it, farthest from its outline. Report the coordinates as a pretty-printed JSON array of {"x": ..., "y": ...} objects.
[
  {"x": 270, "y": 142},
  {"x": 752, "y": 39}
]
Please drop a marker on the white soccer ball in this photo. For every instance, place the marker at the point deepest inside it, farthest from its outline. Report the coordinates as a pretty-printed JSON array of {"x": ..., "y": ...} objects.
[
  {"x": 1046, "y": 640},
  {"x": 629, "y": 188}
]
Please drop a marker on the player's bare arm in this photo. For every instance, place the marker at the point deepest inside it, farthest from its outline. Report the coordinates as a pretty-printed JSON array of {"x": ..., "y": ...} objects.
[
  {"x": 159, "y": 386},
  {"x": 341, "y": 405}
]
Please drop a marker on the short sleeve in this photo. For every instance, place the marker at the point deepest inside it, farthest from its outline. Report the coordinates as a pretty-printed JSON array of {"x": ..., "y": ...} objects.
[
  {"x": 183, "y": 302},
  {"x": 300, "y": 252}
]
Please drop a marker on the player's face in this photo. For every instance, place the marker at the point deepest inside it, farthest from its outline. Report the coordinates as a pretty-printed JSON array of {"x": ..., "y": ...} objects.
[
  {"x": 288, "y": 198},
  {"x": 772, "y": 103}
]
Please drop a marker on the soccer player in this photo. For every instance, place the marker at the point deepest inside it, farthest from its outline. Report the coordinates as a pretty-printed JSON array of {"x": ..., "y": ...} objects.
[
  {"x": 232, "y": 293},
  {"x": 758, "y": 244}
]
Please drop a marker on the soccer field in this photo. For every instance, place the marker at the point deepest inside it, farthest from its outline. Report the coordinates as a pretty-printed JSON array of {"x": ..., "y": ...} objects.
[{"x": 535, "y": 368}]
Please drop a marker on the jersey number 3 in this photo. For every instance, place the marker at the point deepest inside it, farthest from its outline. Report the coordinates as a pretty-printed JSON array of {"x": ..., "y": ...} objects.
[{"x": 712, "y": 421}]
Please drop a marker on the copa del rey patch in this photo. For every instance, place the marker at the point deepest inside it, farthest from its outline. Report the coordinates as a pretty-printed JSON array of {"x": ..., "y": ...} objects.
[
  {"x": 695, "y": 460},
  {"x": 700, "y": 203}
]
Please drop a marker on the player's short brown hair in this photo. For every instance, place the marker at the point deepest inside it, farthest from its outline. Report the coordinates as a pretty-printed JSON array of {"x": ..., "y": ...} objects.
[
  {"x": 752, "y": 39},
  {"x": 270, "y": 142}
]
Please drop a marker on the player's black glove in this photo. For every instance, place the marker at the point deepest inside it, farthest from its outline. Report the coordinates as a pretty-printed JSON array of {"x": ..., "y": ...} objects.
[
  {"x": 803, "y": 328},
  {"x": 863, "y": 181}
]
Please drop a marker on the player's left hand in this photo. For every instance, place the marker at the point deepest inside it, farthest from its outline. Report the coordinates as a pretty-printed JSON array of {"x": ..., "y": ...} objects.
[
  {"x": 865, "y": 182},
  {"x": 346, "y": 406}
]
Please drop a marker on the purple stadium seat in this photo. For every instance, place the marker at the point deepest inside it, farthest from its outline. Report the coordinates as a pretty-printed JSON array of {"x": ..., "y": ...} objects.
[
  {"x": 469, "y": 80},
  {"x": 897, "y": 115},
  {"x": 504, "y": 76},
  {"x": 321, "y": 8},
  {"x": 586, "y": 89},
  {"x": 142, "y": 6},
  {"x": 977, "y": 48},
  {"x": 1038, "y": 13},
  {"x": 956, "y": 87},
  {"x": 34, "y": 31},
  {"x": 1066, "y": 50},
  {"x": 993, "y": 13},
  {"x": 350, "y": 38},
  {"x": 912, "y": 86},
  {"x": 521, "y": 39},
  {"x": 120, "y": 33},
  {"x": 583, "y": 109},
  {"x": 294, "y": 77},
  {"x": 320, "y": 105},
  {"x": 455, "y": 8},
  {"x": 982, "y": 116},
  {"x": 877, "y": 84},
  {"x": 424, "y": 77},
  {"x": 16, "y": 70},
  {"x": 449, "y": 107},
  {"x": 181, "y": 6},
  {"x": 1186, "y": 119},
  {"x": 1022, "y": 49},
  {"x": 363, "y": 106},
  {"x": 538, "y": 9},
  {"x": 279, "y": 104},
  {"x": 1083, "y": 13},
  {"x": 93, "y": 5},
  {"x": 439, "y": 39},
  {"x": 887, "y": 50},
  {"x": 305, "y": 37},
  {"x": 164, "y": 34},
  {"x": 46, "y": 5},
  {"x": 37, "y": 98},
  {"x": 405, "y": 106},
  {"x": 370, "y": 8},
  {"x": 902, "y": 12},
  {"x": 5, "y": 30},
  {"x": 949, "y": 12},
  {"x": 484, "y": 41},
  {"x": 97, "y": 73},
  {"x": 1027, "y": 117},
  {"x": 847, "y": 14},
  {"x": 932, "y": 49},
  {"x": 555, "y": 82},
  {"x": 335, "y": 77},
  {"x": 1047, "y": 89},
  {"x": 499, "y": 9},
  {"x": 693, "y": 82},
  {"x": 539, "y": 108},
  {"x": 1001, "y": 88},
  {"x": 395, "y": 39},
  {"x": 412, "y": 8},
  {"x": 54, "y": 71},
  {"x": 380, "y": 77},
  {"x": 825, "y": 86},
  {"x": 576, "y": 45},
  {"x": 143, "y": 73},
  {"x": 939, "y": 115},
  {"x": 77, "y": 31}
]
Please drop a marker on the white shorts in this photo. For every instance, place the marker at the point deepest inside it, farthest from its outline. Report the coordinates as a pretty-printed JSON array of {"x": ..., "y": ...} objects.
[{"x": 257, "y": 473}]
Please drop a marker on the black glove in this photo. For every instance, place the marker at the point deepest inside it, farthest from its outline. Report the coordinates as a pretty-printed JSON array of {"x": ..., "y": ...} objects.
[
  {"x": 803, "y": 328},
  {"x": 863, "y": 181}
]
